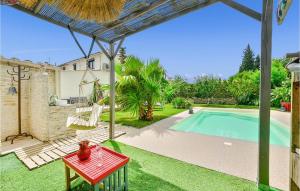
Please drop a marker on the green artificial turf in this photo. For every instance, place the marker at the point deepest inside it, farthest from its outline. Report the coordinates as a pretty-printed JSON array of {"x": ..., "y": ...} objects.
[
  {"x": 147, "y": 172},
  {"x": 126, "y": 118}
]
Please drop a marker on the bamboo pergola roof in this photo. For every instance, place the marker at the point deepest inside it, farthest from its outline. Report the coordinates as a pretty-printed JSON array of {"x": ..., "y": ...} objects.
[{"x": 136, "y": 16}]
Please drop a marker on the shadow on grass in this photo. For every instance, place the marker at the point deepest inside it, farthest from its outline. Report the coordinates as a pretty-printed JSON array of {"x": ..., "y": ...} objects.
[
  {"x": 138, "y": 181},
  {"x": 116, "y": 146}
]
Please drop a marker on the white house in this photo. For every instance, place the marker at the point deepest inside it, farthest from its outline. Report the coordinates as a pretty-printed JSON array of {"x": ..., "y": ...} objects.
[{"x": 71, "y": 73}]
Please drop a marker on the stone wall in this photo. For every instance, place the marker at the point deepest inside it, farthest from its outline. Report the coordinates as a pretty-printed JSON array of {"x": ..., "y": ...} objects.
[
  {"x": 44, "y": 122},
  {"x": 9, "y": 104},
  {"x": 57, "y": 121},
  {"x": 38, "y": 118},
  {"x": 39, "y": 106},
  {"x": 47, "y": 122}
]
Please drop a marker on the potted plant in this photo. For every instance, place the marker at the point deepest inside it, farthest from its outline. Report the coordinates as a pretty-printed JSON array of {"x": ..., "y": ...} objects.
[{"x": 189, "y": 105}]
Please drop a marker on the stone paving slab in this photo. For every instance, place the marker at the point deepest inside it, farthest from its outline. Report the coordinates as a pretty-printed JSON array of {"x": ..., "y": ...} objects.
[{"x": 44, "y": 153}]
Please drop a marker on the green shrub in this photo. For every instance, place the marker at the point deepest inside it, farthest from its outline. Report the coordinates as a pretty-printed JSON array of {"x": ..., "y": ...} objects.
[
  {"x": 244, "y": 87},
  {"x": 281, "y": 94},
  {"x": 181, "y": 103},
  {"x": 279, "y": 73},
  {"x": 211, "y": 87}
]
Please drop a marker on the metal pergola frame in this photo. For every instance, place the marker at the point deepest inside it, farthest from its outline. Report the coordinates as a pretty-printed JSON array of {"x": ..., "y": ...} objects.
[{"x": 139, "y": 15}]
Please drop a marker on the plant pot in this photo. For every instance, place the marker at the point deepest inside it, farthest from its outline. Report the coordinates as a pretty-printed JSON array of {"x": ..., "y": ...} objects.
[
  {"x": 286, "y": 105},
  {"x": 84, "y": 151}
]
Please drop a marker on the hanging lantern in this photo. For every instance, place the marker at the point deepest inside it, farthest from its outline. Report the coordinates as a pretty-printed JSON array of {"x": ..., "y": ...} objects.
[
  {"x": 12, "y": 90},
  {"x": 96, "y": 10},
  {"x": 282, "y": 9}
]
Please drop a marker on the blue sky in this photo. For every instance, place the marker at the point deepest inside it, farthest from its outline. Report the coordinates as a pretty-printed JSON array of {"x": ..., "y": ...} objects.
[{"x": 207, "y": 41}]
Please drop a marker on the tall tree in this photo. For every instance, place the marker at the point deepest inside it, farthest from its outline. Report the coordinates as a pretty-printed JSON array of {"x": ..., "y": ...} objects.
[
  {"x": 248, "y": 60},
  {"x": 122, "y": 56},
  {"x": 257, "y": 62}
]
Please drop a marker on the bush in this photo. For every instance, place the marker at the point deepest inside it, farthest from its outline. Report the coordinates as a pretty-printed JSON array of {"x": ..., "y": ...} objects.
[
  {"x": 281, "y": 94},
  {"x": 226, "y": 101},
  {"x": 181, "y": 103},
  {"x": 279, "y": 73},
  {"x": 244, "y": 87},
  {"x": 211, "y": 87}
]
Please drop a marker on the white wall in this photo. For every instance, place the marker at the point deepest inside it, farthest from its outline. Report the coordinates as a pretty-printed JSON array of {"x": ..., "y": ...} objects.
[
  {"x": 69, "y": 79},
  {"x": 69, "y": 82},
  {"x": 99, "y": 64}
]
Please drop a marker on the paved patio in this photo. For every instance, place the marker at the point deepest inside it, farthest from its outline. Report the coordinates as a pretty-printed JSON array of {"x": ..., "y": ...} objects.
[{"x": 231, "y": 156}]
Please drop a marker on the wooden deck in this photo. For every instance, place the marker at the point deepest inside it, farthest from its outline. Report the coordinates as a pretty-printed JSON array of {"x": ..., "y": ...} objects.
[{"x": 40, "y": 154}]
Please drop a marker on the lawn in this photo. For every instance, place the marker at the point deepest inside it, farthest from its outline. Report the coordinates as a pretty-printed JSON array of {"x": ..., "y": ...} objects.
[
  {"x": 126, "y": 118},
  {"x": 147, "y": 172},
  {"x": 231, "y": 106}
]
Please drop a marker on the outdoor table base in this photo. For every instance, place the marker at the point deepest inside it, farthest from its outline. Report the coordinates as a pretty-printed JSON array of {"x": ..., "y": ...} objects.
[
  {"x": 117, "y": 181},
  {"x": 114, "y": 177}
]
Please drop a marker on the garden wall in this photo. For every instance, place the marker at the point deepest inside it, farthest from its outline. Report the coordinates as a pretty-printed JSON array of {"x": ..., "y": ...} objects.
[
  {"x": 8, "y": 103},
  {"x": 39, "y": 105},
  {"x": 47, "y": 122},
  {"x": 226, "y": 101},
  {"x": 57, "y": 116},
  {"x": 38, "y": 118}
]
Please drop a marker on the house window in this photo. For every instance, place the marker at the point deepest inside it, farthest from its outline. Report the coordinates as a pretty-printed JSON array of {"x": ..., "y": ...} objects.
[
  {"x": 74, "y": 66},
  {"x": 64, "y": 68},
  {"x": 91, "y": 64}
]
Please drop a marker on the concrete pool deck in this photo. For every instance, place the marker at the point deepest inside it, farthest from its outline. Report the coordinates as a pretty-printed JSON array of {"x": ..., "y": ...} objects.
[{"x": 231, "y": 156}]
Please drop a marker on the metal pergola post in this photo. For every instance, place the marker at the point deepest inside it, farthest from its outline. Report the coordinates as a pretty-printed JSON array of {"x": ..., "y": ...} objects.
[
  {"x": 265, "y": 85},
  {"x": 112, "y": 99},
  {"x": 111, "y": 55},
  {"x": 265, "y": 95}
]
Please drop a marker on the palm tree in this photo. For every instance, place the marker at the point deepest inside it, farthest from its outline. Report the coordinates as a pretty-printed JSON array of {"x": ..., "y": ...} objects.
[
  {"x": 139, "y": 86},
  {"x": 122, "y": 56}
]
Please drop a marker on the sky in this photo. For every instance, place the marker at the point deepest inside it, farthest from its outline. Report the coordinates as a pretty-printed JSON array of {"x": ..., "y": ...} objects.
[{"x": 208, "y": 41}]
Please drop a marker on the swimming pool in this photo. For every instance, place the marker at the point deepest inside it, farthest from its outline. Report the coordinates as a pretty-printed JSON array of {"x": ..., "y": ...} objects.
[{"x": 232, "y": 125}]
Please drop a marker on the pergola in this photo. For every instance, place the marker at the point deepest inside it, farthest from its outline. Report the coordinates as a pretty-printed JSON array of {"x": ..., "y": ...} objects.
[{"x": 139, "y": 15}]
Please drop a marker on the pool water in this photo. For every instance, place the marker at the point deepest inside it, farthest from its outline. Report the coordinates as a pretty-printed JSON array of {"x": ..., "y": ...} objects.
[{"x": 232, "y": 125}]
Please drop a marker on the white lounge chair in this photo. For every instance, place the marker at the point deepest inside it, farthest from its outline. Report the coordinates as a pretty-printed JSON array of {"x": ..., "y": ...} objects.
[{"x": 78, "y": 122}]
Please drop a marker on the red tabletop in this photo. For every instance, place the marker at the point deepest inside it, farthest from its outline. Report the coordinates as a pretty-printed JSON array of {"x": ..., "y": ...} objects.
[{"x": 89, "y": 169}]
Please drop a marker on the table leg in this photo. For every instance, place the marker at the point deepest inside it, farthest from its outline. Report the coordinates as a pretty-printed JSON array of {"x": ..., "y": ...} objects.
[
  {"x": 68, "y": 181},
  {"x": 119, "y": 179},
  {"x": 115, "y": 182},
  {"x": 96, "y": 187},
  {"x": 125, "y": 177},
  {"x": 105, "y": 184},
  {"x": 110, "y": 183}
]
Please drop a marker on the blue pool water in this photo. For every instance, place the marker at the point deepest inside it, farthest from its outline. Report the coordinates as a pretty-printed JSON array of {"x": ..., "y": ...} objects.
[{"x": 232, "y": 125}]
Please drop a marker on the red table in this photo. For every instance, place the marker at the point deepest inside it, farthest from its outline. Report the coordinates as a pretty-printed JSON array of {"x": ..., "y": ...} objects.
[{"x": 113, "y": 173}]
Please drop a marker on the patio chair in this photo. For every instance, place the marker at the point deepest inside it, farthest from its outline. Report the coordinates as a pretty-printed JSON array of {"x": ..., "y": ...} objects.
[{"x": 80, "y": 122}]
